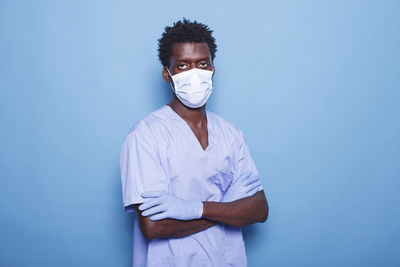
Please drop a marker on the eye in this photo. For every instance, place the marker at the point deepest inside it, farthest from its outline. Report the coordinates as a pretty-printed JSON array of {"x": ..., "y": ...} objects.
[
  {"x": 204, "y": 65},
  {"x": 182, "y": 66}
]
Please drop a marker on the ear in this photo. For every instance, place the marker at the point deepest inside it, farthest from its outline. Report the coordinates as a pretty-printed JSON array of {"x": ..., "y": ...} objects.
[
  {"x": 213, "y": 71},
  {"x": 165, "y": 75}
]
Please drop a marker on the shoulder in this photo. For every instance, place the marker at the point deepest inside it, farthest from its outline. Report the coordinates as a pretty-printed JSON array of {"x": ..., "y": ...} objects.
[
  {"x": 151, "y": 122},
  {"x": 150, "y": 128}
]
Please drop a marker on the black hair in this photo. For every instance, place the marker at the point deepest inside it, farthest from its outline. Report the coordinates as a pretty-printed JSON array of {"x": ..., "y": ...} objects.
[{"x": 182, "y": 32}]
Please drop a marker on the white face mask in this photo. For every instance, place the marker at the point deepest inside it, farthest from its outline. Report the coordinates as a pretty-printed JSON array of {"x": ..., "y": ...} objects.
[{"x": 192, "y": 87}]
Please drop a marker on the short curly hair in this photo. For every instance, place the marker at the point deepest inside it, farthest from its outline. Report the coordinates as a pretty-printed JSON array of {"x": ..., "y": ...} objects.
[{"x": 182, "y": 32}]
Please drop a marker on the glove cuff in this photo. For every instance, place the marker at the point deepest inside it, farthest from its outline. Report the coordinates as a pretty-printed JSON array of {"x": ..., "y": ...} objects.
[{"x": 199, "y": 209}]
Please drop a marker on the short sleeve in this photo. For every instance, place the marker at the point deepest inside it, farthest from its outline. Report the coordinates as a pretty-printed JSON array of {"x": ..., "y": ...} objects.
[
  {"x": 244, "y": 161},
  {"x": 140, "y": 166}
]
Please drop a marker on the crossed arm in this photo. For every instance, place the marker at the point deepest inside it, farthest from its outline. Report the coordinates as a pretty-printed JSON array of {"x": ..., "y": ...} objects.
[
  {"x": 239, "y": 213},
  {"x": 242, "y": 205}
]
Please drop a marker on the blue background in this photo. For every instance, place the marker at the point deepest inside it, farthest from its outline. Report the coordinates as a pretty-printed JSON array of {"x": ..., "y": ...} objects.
[{"x": 314, "y": 85}]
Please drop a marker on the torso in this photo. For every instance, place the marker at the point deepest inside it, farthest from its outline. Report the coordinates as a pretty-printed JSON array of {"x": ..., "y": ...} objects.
[{"x": 200, "y": 168}]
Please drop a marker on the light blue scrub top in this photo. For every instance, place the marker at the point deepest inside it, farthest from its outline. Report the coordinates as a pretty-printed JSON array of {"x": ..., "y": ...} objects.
[{"x": 162, "y": 153}]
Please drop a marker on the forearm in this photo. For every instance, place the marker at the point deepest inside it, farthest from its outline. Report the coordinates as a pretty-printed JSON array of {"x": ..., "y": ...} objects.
[
  {"x": 239, "y": 213},
  {"x": 170, "y": 228}
]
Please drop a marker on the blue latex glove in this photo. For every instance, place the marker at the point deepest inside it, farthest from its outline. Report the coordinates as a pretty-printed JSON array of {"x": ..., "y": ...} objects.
[
  {"x": 245, "y": 186},
  {"x": 168, "y": 206}
]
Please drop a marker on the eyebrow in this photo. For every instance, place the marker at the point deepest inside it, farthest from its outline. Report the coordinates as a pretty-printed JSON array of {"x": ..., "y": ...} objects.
[
  {"x": 187, "y": 61},
  {"x": 204, "y": 58}
]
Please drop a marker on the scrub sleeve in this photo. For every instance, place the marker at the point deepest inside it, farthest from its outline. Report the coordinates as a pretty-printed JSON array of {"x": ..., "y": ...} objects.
[
  {"x": 245, "y": 161},
  {"x": 140, "y": 166}
]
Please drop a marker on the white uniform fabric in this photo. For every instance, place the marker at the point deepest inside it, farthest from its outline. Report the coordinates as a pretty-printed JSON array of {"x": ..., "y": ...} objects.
[{"x": 161, "y": 153}]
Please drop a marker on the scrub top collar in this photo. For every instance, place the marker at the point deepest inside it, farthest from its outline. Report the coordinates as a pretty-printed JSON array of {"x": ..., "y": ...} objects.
[{"x": 193, "y": 136}]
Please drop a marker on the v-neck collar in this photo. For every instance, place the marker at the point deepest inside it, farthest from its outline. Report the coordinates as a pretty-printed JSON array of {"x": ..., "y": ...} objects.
[{"x": 193, "y": 136}]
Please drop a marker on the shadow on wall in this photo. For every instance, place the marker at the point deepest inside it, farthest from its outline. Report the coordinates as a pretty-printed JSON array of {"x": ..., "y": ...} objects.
[{"x": 251, "y": 234}]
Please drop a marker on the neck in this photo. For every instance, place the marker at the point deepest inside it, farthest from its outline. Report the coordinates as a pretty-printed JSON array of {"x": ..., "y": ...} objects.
[{"x": 194, "y": 116}]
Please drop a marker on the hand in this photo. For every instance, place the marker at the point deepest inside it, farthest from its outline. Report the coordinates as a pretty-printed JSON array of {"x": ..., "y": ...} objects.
[
  {"x": 168, "y": 206},
  {"x": 245, "y": 186}
]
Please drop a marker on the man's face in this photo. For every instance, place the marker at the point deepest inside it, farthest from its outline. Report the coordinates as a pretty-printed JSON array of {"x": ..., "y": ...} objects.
[{"x": 186, "y": 56}]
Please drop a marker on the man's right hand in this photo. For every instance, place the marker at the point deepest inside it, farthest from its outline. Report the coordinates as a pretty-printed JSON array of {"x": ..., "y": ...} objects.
[{"x": 164, "y": 206}]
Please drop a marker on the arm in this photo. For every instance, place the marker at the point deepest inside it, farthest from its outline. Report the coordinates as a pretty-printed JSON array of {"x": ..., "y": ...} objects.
[
  {"x": 170, "y": 228},
  {"x": 241, "y": 205},
  {"x": 240, "y": 212}
]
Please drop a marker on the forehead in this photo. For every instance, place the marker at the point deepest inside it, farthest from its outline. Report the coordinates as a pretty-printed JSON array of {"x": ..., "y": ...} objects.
[{"x": 190, "y": 51}]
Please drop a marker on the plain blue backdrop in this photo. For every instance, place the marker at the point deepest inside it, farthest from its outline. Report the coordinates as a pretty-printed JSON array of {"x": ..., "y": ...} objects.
[{"x": 314, "y": 85}]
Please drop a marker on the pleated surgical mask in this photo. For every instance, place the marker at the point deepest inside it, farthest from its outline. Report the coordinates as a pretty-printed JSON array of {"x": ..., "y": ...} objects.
[{"x": 192, "y": 87}]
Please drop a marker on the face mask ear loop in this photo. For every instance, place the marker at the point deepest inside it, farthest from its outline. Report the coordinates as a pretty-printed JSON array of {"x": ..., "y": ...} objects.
[
  {"x": 171, "y": 80},
  {"x": 213, "y": 71}
]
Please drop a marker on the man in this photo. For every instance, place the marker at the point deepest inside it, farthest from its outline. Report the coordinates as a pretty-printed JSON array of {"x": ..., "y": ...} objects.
[{"x": 185, "y": 171}]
